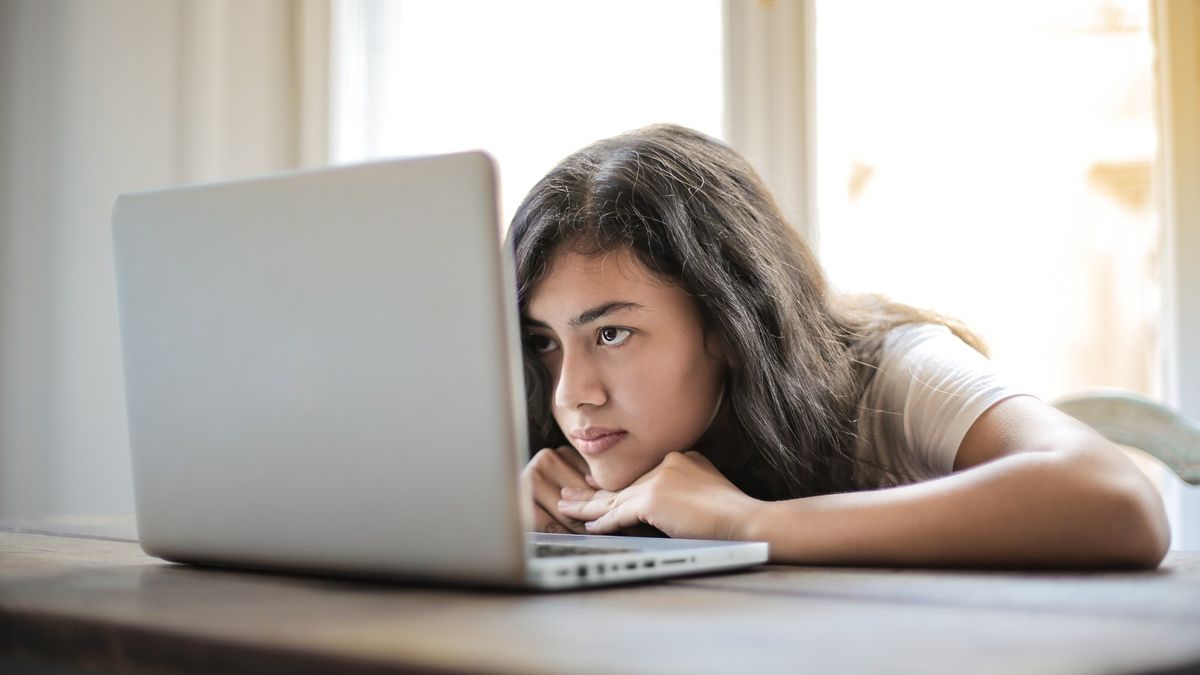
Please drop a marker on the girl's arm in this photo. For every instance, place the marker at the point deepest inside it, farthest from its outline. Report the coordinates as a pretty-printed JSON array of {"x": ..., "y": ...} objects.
[
  {"x": 1033, "y": 488},
  {"x": 1039, "y": 489}
]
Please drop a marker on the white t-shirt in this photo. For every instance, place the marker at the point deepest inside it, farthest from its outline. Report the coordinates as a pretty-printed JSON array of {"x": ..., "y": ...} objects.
[{"x": 929, "y": 389}]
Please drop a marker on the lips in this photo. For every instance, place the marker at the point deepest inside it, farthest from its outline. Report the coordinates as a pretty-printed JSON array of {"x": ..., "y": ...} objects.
[{"x": 595, "y": 440}]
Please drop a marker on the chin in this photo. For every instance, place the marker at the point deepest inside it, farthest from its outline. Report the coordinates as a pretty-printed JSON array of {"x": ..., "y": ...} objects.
[{"x": 611, "y": 480}]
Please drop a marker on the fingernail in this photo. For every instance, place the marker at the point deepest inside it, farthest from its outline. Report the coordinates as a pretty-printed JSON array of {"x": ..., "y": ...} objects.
[
  {"x": 591, "y": 524},
  {"x": 564, "y": 504},
  {"x": 570, "y": 492}
]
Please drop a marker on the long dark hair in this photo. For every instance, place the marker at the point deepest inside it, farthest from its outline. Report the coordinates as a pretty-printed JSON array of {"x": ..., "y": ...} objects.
[{"x": 694, "y": 212}]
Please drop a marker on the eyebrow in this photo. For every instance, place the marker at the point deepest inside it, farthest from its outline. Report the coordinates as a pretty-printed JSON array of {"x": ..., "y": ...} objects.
[{"x": 590, "y": 315}]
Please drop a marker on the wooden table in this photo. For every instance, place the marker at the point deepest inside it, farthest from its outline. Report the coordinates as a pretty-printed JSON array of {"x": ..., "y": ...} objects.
[{"x": 79, "y": 593}]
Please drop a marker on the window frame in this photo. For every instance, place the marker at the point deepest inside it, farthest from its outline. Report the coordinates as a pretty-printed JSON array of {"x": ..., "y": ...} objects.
[{"x": 1176, "y": 29}]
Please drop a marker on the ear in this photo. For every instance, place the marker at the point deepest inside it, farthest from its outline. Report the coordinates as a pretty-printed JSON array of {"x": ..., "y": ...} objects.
[{"x": 716, "y": 345}]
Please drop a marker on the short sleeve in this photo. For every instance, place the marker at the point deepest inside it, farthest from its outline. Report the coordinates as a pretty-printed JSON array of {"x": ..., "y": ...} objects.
[{"x": 929, "y": 389}]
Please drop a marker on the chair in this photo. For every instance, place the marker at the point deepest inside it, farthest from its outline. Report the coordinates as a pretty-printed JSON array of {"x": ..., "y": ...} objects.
[{"x": 1131, "y": 419}]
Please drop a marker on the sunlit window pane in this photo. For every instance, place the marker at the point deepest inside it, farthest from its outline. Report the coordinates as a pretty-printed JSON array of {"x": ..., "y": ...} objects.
[
  {"x": 993, "y": 161},
  {"x": 528, "y": 81}
]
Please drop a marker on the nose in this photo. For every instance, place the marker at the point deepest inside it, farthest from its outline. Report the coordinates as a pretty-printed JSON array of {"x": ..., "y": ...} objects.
[{"x": 579, "y": 382}]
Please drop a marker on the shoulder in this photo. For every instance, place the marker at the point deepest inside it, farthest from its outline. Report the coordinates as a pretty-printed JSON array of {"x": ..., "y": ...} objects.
[
  {"x": 936, "y": 374},
  {"x": 929, "y": 353},
  {"x": 930, "y": 387},
  {"x": 924, "y": 338}
]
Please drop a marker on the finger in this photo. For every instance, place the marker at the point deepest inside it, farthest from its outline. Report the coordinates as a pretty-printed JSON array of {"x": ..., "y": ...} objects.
[
  {"x": 546, "y": 495},
  {"x": 547, "y": 483},
  {"x": 624, "y": 515},
  {"x": 577, "y": 494},
  {"x": 542, "y": 522},
  {"x": 587, "y": 477},
  {"x": 548, "y": 473},
  {"x": 586, "y": 505}
]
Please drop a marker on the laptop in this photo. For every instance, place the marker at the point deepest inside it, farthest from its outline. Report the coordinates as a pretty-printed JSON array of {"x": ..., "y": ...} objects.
[{"x": 323, "y": 374}]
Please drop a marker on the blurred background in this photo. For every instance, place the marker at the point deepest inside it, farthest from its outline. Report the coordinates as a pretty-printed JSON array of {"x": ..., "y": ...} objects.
[{"x": 1028, "y": 167}]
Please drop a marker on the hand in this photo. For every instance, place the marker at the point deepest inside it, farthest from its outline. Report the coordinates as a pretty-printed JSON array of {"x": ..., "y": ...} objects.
[
  {"x": 550, "y": 470},
  {"x": 684, "y": 496}
]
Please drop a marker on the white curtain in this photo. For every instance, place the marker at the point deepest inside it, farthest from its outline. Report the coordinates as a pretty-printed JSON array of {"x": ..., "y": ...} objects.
[
  {"x": 1177, "y": 35},
  {"x": 99, "y": 98}
]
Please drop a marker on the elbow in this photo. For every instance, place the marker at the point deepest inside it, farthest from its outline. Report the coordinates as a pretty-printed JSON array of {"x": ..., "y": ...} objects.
[
  {"x": 1130, "y": 527},
  {"x": 1140, "y": 532}
]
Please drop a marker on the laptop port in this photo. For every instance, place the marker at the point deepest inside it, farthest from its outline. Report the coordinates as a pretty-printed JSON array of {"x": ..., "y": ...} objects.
[
  {"x": 648, "y": 563},
  {"x": 582, "y": 570},
  {"x": 599, "y": 569},
  {"x": 674, "y": 561},
  {"x": 631, "y": 565}
]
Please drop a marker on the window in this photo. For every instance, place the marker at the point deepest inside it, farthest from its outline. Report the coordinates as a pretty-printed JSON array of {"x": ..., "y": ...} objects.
[
  {"x": 993, "y": 162},
  {"x": 990, "y": 162},
  {"x": 530, "y": 82}
]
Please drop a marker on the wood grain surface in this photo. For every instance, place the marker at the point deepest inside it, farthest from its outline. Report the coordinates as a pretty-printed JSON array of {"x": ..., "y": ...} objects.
[{"x": 71, "y": 594}]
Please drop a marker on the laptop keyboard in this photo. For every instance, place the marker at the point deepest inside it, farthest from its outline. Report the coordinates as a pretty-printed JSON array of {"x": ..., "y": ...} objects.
[{"x": 561, "y": 550}]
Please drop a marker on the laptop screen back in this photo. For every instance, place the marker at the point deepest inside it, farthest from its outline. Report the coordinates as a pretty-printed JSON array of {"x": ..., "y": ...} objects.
[{"x": 322, "y": 371}]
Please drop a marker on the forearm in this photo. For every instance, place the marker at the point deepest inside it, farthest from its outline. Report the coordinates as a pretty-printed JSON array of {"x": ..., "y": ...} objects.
[{"x": 1030, "y": 509}]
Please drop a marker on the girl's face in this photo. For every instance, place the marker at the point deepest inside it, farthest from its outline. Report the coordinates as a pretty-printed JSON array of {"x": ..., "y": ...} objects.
[{"x": 634, "y": 375}]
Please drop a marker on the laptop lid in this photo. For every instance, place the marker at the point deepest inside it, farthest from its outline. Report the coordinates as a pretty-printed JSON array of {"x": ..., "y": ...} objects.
[{"x": 323, "y": 371}]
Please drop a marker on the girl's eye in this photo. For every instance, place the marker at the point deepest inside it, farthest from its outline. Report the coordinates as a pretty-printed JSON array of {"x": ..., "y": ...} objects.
[
  {"x": 613, "y": 336},
  {"x": 540, "y": 344}
]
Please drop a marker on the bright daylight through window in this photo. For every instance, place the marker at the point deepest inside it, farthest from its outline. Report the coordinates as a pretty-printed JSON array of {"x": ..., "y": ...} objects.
[
  {"x": 529, "y": 82},
  {"x": 991, "y": 162}
]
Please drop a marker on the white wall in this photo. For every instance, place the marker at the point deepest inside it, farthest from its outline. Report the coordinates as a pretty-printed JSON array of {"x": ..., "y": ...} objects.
[
  {"x": 67, "y": 72},
  {"x": 98, "y": 98}
]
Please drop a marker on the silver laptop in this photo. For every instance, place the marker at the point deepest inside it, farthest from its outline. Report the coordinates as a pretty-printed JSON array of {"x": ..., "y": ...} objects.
[{"x": 323, "y": 373}]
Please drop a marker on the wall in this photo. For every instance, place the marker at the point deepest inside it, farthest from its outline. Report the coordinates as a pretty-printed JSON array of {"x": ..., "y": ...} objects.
[
  {"x": 66, "y": 73},
  {"x": 99, "y": 98}
]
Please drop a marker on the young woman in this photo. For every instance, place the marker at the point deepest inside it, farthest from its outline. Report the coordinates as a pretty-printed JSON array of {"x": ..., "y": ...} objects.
[{"x": 690, "y": 370}]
